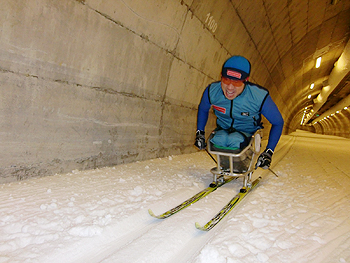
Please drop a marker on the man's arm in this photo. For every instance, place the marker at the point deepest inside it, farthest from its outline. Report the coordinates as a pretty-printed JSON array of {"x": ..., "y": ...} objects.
[
  {"x": 273, "y": 115},
  {"x": 202, "y": 118},
  {"x": 203, "y": 110}
]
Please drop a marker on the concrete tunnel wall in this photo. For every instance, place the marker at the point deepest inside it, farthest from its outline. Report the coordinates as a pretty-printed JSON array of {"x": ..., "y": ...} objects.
[{"x": 87, "y": 84}]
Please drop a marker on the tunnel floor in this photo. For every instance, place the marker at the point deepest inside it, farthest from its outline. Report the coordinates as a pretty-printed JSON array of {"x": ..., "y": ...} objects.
[{"x": 101, "y": 215}]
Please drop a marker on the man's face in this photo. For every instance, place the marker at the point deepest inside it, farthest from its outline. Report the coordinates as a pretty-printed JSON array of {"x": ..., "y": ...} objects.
[{"x": 231, "y": 88}]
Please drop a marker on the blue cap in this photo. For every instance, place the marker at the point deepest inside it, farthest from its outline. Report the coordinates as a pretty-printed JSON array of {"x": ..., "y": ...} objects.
[{"x": 236, "y": 67}]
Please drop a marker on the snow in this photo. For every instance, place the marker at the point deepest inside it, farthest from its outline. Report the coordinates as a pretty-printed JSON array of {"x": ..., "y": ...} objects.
[{"x": 101, "y": 215}]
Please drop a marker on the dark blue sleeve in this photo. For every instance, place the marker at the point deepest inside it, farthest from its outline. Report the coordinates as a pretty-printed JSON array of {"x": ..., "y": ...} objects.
[
  {"x": 203, "y": 110},
  {"x": 273, "y": 115}
]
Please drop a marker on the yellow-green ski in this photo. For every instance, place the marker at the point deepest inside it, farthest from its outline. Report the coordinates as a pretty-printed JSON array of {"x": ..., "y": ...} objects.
[
  {"x": 192, "y": 199},
  {"x": 228, "y": 207}
]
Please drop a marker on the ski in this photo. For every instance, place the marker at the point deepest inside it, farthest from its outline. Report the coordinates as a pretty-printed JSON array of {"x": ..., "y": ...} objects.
[
  {"x": 193, "y": 199},
  {"x": 228, "y": 207}
]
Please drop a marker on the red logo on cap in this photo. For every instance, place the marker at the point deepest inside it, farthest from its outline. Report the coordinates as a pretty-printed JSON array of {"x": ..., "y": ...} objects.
[{"x": 234, "y": 74}]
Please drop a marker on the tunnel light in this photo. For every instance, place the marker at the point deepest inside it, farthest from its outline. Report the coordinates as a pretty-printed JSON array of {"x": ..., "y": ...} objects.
[
  {"x": 337, "y": 111},
  {"x": 345, "y": 108},
  {"x": 302, "y": 119},
  {"x": 309, "y": 97},
  {"x": 318, "y": 62},
  {"x": 312, "y": 85}
]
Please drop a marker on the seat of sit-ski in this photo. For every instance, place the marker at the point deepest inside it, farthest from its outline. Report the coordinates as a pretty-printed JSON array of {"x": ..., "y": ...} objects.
[
  {"x": 240, "y": 162},
  {"x": 217, "y": 148},
  {"x": 220, "y": 149},
  {"x": 241, "y": 158}
]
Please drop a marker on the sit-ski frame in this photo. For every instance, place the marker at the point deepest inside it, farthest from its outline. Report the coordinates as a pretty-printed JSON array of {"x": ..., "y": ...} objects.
[{"x": 251, "y": 152}]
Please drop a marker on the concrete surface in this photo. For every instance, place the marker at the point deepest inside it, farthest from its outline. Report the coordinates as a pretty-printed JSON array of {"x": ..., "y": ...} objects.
[{"x": 93, "y": 83}]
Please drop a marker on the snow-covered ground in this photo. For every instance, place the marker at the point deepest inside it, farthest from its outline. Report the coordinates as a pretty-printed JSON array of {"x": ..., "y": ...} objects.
[{"x": 101, "y": 215}]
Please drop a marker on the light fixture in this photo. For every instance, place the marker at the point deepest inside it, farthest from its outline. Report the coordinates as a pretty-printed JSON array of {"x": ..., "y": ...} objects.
[
  {"x": 312, "y": 85},
  {"x": 345, "y": 108},
  {"x": 318, "y": 62},
  {"x": 309, "y": 97},
  {"x": 302, "y": 119}
]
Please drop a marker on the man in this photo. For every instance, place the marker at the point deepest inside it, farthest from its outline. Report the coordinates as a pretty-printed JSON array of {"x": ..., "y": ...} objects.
[{"x": 238, "y": 105}]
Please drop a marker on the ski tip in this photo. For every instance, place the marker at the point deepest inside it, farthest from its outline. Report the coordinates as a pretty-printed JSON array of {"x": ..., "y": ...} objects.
[
  {"x": 198, "y": 226},
  {"x": 151, "y": 213},
  {"x": 155, "y": 216}
]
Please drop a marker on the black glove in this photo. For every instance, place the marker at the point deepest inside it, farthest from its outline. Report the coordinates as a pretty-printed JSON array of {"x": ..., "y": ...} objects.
[
  {"x": 264, "y": 159},
  {"x": 200, "y": 140}
]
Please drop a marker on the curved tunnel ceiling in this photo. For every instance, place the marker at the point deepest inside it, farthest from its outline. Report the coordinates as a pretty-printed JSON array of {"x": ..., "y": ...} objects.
[{"x": 290, "y": 37}]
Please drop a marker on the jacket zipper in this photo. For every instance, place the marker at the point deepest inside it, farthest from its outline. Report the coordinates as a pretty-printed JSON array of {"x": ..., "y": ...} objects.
[{"x": 231, "y": 128}]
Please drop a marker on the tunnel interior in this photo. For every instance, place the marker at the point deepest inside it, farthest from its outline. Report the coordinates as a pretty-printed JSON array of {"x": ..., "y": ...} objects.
[{"x": 88, "y": 84}]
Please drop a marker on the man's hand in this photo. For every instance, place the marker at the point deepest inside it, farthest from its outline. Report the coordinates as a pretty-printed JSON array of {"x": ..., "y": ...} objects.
[
  {"x": 200, "y": 140},
  {"x": 264, "y": 160}
]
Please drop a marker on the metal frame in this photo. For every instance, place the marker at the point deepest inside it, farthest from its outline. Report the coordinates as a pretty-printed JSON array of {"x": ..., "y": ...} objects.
[{"x": 251, "y": 152}]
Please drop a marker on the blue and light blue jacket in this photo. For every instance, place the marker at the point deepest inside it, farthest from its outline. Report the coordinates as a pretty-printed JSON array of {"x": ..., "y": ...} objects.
[{"x": 243, "y": 113}]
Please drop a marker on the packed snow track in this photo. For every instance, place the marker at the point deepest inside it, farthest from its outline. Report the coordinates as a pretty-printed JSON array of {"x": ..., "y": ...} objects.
[{"x": 102, "y": 215}]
